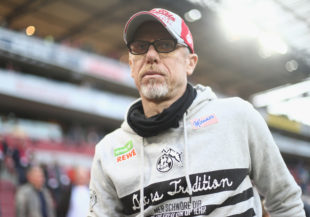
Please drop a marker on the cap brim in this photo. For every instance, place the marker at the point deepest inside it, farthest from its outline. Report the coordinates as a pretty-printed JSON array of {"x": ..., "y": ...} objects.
[{"x": 135, "y": 21}]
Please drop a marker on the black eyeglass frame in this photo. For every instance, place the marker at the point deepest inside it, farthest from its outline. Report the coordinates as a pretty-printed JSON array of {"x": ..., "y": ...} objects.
[{"x": 154, "y": 45}]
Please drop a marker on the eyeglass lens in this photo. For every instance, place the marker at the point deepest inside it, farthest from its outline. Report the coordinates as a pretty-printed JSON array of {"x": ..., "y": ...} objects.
[{"x": 161, "y": 46}]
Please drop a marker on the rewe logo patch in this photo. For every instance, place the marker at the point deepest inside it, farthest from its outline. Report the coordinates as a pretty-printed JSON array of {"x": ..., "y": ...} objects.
[
  {"x": 204, "y": 121},
  {"x": 124, "y": 153},
  {"x": 165, "y": 161}
]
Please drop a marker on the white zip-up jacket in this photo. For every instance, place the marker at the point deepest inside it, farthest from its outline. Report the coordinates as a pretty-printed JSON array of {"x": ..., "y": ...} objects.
[{"x": 214, "y": 164}]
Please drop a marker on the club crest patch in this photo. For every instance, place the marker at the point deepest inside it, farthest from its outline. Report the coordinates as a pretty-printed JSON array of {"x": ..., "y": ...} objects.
[{"x": 165, "y": 161}]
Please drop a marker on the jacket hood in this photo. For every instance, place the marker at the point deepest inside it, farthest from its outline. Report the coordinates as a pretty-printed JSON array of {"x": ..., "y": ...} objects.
[{"x": 204, "y": 93}]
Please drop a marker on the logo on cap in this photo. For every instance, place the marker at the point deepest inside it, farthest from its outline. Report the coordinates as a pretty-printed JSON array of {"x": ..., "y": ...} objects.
[
  {"x": 164, "y": 15},
  {"x": 171, "y": 21}
]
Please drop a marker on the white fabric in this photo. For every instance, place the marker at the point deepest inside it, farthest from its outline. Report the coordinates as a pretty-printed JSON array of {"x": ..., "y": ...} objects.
[
  {"x": 230, "y": 148},
  {"x": 79, "y": 202}
]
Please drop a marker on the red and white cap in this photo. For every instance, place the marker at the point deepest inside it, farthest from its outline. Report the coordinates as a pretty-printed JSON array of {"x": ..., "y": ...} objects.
[{"x": 171, "y": 21}]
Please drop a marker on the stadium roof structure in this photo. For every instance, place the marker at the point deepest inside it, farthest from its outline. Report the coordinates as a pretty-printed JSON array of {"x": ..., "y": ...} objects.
[{"x": 231, "y": 64}]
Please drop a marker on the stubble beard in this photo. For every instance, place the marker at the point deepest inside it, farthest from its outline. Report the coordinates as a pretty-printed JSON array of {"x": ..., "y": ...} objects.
[{"x": 154, "y": 90}]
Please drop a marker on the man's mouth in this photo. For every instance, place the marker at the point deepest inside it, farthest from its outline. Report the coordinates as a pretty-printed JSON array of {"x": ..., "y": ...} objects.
[{"x": 152, "y": 74}]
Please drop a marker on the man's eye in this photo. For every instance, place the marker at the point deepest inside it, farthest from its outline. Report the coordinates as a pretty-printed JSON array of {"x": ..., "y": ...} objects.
[
  {"x": 165, "y": 45},
  {"x": 141, "y": 45}
]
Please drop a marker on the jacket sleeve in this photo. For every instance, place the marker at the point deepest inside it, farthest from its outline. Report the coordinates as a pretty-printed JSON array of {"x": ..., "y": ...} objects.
[
  {"x": 269, "y": 172},
  {"x": 20, "y": 203},
  {"x": 50, "y": 203},
  {"x": 104, "y": 201}
]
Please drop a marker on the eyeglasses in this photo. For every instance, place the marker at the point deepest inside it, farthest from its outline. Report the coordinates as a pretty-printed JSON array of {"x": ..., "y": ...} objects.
[{"x": 161, "y": 46}]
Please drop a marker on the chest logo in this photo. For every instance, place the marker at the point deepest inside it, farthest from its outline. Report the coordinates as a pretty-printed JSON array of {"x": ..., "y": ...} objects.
[
  {"x": 165, "y": 161},
  {"x": 204, "y": 121},
  {"x": 124, "y": 153}
]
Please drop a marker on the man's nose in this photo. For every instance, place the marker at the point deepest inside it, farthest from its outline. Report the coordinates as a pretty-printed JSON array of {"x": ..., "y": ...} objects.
[{"x": 152, "y": 55}]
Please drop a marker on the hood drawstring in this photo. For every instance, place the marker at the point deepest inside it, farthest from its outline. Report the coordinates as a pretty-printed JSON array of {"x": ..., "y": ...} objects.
[
  {"x": 188, "y": 182},
  {"x": 142, "y": 181},
  {"x": 189, "y": 185}
]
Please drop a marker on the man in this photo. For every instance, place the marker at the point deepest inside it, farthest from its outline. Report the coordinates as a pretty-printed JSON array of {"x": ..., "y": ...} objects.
[
  {"x": 33, "y": 199},
  {"x": 181, "y": 151},
  {"x": 74, "y": 200}
]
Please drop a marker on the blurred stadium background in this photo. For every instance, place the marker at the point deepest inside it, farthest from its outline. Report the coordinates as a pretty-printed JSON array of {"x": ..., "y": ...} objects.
[{"x": 65, "y": 82}]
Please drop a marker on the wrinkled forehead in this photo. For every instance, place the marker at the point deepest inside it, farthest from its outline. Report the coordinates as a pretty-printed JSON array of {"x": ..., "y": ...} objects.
[{"x": 151, "y": 30}]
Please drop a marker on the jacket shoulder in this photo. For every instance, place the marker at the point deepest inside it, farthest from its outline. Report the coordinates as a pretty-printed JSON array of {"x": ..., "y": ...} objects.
[
  {"x": 114, "y": 140},
  {"x": 233, "y": 104},
  {"x": 234, "y": 101},
  {"x": 25, "y": 188},
  {"x": 112, "y": 136}
]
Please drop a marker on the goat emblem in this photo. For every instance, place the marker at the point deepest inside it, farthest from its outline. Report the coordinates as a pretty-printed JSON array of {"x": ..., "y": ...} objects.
[{"x": 165, "y": 161}]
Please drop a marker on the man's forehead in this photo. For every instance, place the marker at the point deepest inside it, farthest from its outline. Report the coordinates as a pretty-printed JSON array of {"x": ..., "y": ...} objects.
[{"x": 152, "y": 28}]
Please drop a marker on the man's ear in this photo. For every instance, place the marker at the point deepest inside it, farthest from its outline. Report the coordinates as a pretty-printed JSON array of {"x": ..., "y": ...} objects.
[{"x": 192, "y": 62}]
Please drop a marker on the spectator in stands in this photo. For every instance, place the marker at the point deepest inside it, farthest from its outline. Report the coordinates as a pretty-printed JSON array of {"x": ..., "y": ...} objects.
[
  {"x": 2, "y": 152},
  {"x": 75, "y": 199},
  {"x": 76, "y": 135},
  {"x": 20, "y": 158},
  {"x": 8, "y": 168},
  {"x": 307, "y": 209},
  {"x": 182, "y": 150},
  {"x": 33, "y": 199}
]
